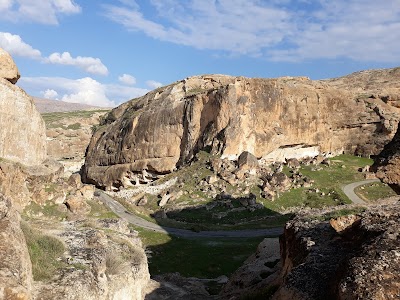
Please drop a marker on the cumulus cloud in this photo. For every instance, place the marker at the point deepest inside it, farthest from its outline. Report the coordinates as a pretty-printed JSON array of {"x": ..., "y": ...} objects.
[
  {"x": 84, "y": 90},
  {"x": 278, "y": 30},
  {"x": 14, "y": 45},
  {"x": 50, "y": 94},
  {"x": 153, "y": 84},
  {"x": 127, "y": 79},
  {"x": 43, "y": 11},
  {"x": 88, "y": 64}
]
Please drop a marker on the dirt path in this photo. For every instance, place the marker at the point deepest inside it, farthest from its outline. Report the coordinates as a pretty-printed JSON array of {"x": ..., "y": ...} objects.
[
  {"x": 120, "y": 210},
  {"x": 349, "y": 190}
]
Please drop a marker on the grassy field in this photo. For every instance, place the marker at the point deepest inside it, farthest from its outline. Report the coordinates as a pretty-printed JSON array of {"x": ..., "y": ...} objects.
[
  {"x": 202, "y": 258},
  {"x": 374, "y": 191}
]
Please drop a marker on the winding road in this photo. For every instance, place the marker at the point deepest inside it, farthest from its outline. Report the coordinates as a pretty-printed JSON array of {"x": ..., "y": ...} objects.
[
  {"x": 121, "y": 211},
  {"x": 349, "y": 190}
]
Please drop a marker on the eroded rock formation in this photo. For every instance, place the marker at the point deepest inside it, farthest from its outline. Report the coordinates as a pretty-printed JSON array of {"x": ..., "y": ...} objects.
[
  {"x": 358, "y": 262},
  {"x": 22, "y": 134},
  {"x": 387, "y": 163},
  {"x": 167, "y": 127}
]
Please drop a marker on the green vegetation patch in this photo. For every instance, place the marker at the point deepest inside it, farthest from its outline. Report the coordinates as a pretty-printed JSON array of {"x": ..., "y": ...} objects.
[
  {"x": 45, "y": 252},
  {"x": 325, "y": 191},
  {"x": 374, "y": 191},
  {"x": 54, "y": 119},
  {"x": 49, "y": 210},
  {"x": 100, "y": 211},
  {"x": 201, "y": 258}
]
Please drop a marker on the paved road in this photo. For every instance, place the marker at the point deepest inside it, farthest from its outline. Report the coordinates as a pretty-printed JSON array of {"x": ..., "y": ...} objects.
[
  {"x": 120, "y": 210},
  {"x": 349, "y": 190}
]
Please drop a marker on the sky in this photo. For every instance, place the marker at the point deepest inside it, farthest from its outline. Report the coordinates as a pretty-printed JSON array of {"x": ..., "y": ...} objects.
[{"x": 103, "y": 53}]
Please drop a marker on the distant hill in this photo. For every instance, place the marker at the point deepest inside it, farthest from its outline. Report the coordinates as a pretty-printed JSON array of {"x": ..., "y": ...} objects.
[{"x": 47, "y": 106}]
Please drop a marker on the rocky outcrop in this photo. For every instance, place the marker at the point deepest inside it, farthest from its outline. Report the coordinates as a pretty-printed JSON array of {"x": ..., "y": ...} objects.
[
  {"x": 15, "y": 265},
  {"x": 258, "y": 271},
  {"x": 356, "y": 260},
  {"x": 23, "y": 139},
  {"x": 100, "y": 264},
  {"x": 8, "y": 69},
  {"x": 24, "y": 184},
  {"x": 374, "y": 84},
  {"x": 387, "y": 163},
  {"x": 228, "y": 115}
]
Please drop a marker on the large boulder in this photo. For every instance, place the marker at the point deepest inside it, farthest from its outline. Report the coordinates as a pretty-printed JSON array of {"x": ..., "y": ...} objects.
[
  {"x": 8, "y": 69},
  {"x": 228, "y": 115},
  {"x": 22, "y": 131}
]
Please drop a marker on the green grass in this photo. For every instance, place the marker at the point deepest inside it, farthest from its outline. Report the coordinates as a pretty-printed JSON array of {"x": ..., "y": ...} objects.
[
  {"x": 201, "y": 258},
  {"x": 100, "y": 211},
  {"x": 374, "y": 191},
  {"x": 327, "y": 179},
  {"x": 55, "y": 116},
  {"x": 44, "y": 252},
  {"x": 48, "y": 210}
]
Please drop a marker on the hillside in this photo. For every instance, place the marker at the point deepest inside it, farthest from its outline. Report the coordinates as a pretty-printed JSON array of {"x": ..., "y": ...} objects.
[{"x": 49, "y": 106}]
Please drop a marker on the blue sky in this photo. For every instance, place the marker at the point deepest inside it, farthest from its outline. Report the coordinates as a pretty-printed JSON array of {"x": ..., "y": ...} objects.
[{"x": 103, "y": 52}]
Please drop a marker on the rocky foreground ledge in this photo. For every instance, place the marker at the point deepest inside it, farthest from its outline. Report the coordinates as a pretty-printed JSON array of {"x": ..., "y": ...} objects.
[{"x": 340, "y": 253}]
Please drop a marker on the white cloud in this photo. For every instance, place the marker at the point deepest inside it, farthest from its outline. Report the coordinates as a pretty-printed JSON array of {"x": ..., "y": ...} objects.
[
  {"x": 360, "y": 30},
  {"x": 43, "y": 11},
  {"x": 88, "y": 64},
  {"x": 127, "y": 79},
  {"x": 279, "y": 30},
  {"x": 84, "y": 90},
  {"x": 153, "y": 84},
  {"x": 14, "y": 45},
  {"x": 50, "y": 94}
]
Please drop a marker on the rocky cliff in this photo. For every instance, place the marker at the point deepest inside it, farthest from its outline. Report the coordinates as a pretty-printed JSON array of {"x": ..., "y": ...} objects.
[
  {"x": 340, "y": 253},
  {"x": 387, "y": 163},
  {"x": 228, "y": 115},
  {"x": 23, "y": 139}
]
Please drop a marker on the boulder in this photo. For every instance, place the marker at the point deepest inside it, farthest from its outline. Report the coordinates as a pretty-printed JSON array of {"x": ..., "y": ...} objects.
[
  {"x": 75, "y": 181},
  {"x": 142, "y": 201},
  {"x": 8, "y": 69},
  {"x": 87, "y": 192},
  {"x": 23, "y": 140},
  {"x": 77, "y": 205},
  {"x": 344, "y": 223},
  {"x": 247, "y": 161}
]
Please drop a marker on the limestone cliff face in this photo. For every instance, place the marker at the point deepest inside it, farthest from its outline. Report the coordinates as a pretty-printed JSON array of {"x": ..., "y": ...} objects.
[
  {"x": 22, "y": 131},
  {"x": 165, "y": 128}
]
